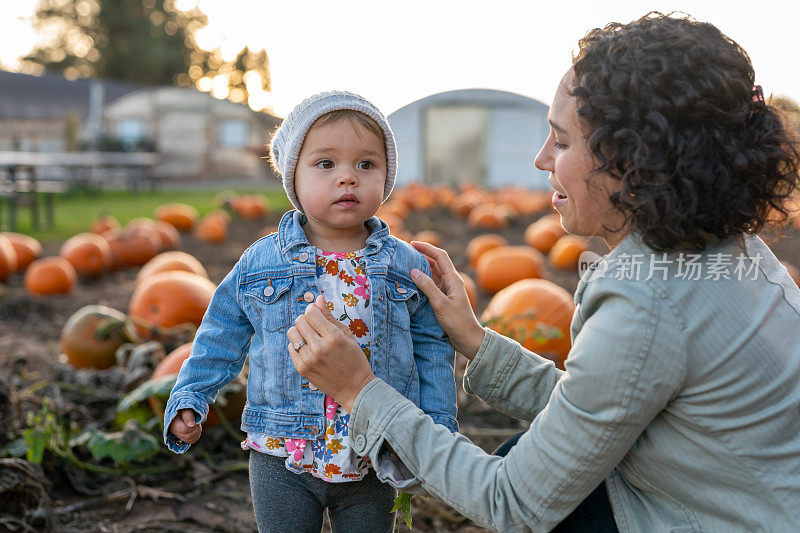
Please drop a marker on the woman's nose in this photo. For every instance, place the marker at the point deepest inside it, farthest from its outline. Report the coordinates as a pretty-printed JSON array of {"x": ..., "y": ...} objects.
[{"x": 543, "y": 160}]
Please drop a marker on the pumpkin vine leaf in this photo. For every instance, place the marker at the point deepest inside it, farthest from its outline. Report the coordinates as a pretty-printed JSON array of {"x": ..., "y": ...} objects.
[
  {"x": 132, "y": 444},
  {"x": 158, "y": 388}
]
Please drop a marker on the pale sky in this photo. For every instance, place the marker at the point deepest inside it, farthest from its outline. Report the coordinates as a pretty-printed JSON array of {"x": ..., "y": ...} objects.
[{"x": 395, "y": 53}]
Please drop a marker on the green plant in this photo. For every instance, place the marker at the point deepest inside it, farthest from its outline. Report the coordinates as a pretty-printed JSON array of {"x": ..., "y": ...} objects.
[
  {"x": 45, "y": 431},
  {"x": 132, "y": 444},
  {"x": 402, "y": 503}
]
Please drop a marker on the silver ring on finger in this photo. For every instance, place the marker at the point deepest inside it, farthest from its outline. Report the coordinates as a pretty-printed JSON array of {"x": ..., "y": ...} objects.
[{"x": 298, "y": 345}]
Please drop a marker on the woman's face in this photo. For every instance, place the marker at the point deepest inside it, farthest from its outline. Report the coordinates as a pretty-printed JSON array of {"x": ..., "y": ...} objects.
[{"x": 582, "y": 194}]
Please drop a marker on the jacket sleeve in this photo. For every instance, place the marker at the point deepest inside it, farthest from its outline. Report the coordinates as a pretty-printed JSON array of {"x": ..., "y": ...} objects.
[
  {"x": 510, "y": 378},
  {"x": 435, "y": 360},
  {"x": 627, "y": 362},
  {"x": 218, "y": 354}
]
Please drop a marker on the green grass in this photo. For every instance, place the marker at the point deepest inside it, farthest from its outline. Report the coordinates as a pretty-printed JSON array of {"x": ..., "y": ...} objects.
[{"x": 73, "y": 213}]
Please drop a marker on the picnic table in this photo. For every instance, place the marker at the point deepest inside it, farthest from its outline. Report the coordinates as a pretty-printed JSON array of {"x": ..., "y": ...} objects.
[{"x": 26, "y": 178}]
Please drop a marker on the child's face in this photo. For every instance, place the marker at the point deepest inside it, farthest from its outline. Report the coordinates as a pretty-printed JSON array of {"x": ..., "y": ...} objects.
[{"x": 340, "y": 174}]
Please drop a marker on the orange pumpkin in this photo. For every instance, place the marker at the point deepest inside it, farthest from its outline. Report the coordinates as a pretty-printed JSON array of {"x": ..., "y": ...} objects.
[
  {"x": 133, "y": 246},
  {"x": 220, "y": 213},
  {"x": 543, "y": 233},
  {"x": 26, "y": 247},
  {"x": 393, "y": 207},
  {"x": 168, "y": 236},
  {"x": 144, "y": 222},
  {"x": 483, "y": 243},
  {"x": 793, "y": 272},
  {"x": 394, "y": 222},
  {"x": 50, "y": 275},
  {"x": 500, "y": 267},
  {"x": 535, "y": 312},
  {"x": 168, "y": 261},
  {"x": 528, "y": 203},
  {"x": 429, "y": 236},
  {"x": 488, "y": 216},
  {"x": 251, "y": 206},
  {"x": 550, "y": 217},
  {"x": 566, "y": 252},
  {"x": 444, "y": 195},
  {"x": 424, "y": 200},
  {"x": 212, "y": 228},
  {"x": 403, "y": 235},
  {"x": 471, "y": 288},
  {"x": 463, "y": 204},
  {"x": 104, "y": 223},
  {"x": 171, "y": 298},
  {"x": 181, "y": 216},
  {"x": 225, "y": 199},
  {"x": 91, "y": 336},
  {"x": 267, "y": 230},
  {"x": 171, "y": 365},
  {"x": 89, "y": 253},
  {"x": 8, "y": 258}
]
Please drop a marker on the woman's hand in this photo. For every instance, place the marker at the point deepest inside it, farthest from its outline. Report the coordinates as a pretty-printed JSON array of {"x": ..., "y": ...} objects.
[
  {"x": 330, "y": 357},
  {"x": 449, "y": 300}
]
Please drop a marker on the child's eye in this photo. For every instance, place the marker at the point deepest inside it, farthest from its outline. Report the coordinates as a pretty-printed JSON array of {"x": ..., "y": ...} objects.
[
  {"x": 366, "y": 165},
  {"x": 327, "y": 164}
]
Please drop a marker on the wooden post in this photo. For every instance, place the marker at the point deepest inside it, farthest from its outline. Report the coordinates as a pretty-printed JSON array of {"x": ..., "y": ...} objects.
[
  {"x": 12, "y": 203},
  {"x": 34, "y": 199}
]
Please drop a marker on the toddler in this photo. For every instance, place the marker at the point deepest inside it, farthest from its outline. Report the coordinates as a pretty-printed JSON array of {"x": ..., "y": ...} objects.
[{"x": 337, "y": 158}]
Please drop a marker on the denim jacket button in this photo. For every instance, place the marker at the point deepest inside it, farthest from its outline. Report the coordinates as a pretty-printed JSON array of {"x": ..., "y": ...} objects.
[
  {"x": 303, "y": 257},
  {"x": 308, "y": 297},
  {"x": 402, "y": 290},
  {"x": 269, "y": 291}
]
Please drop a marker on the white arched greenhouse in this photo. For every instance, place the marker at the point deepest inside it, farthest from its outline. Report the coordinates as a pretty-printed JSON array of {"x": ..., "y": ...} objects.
[{"x": 482, "y": 136}]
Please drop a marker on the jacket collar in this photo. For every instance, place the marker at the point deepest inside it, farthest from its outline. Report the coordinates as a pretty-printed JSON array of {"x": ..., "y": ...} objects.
[{"x": 291, "y": 234}]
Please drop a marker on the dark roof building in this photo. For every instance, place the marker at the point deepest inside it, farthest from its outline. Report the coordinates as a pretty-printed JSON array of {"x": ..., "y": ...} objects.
[
  {"x": 195, "y": 134},
  {"x": 52, "y": 96}
]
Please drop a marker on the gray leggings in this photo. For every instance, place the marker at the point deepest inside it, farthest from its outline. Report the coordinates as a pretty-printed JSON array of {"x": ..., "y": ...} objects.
[{"x": 285, "y": 501}]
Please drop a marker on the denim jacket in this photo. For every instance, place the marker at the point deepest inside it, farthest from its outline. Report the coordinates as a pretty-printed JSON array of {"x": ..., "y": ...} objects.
[{"x": 257, "y": 302}]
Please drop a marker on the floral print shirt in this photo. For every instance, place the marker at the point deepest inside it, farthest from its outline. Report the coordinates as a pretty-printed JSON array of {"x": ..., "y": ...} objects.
[{"x": 342, "y": 279}]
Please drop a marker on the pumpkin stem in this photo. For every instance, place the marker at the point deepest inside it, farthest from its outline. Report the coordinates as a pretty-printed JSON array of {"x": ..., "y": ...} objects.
[
  {"x": 108, "y": 326},
  {"x": 155, "y": 331}
]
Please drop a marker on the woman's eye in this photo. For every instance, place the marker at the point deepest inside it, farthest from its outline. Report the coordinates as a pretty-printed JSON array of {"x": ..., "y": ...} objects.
[
  {"x": 327, "y": 164},
  {"x": 366, "y": 165},
  {"x": 558, "y": 145}
]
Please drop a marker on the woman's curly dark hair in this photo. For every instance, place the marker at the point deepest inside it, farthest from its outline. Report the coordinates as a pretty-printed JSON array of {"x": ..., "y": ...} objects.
[{"x": 668, "y": 102}]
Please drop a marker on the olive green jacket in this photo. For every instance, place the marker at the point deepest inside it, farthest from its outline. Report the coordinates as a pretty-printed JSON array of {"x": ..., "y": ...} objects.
[{"x": 683, "y": 394}]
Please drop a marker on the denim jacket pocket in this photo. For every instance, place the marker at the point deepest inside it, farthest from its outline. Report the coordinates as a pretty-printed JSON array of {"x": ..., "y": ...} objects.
[
  {"x": 402, "y": 368},
  {"x": 402, "y": 301},
  {"x": 269, "y": 298}
]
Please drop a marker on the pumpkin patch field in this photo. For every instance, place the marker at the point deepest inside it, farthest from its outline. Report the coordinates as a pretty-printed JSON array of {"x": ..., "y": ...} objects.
[{"x": 94, "y": 328}]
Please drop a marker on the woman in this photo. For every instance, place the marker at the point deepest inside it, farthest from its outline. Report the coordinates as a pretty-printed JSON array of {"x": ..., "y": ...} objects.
[{"x": 680, "y": 406}]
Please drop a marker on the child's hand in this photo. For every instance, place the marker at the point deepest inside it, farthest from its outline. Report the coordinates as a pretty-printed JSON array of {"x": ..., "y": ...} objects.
[{"x": 184, "y": 427}]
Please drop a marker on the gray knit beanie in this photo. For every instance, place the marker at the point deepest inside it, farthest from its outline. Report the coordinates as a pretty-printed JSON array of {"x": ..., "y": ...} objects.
[{"x": 288, "y": 139}]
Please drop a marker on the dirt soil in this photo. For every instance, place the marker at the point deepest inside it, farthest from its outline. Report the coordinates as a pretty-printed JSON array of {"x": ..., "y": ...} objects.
[{"x": 206, "y": 489}]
